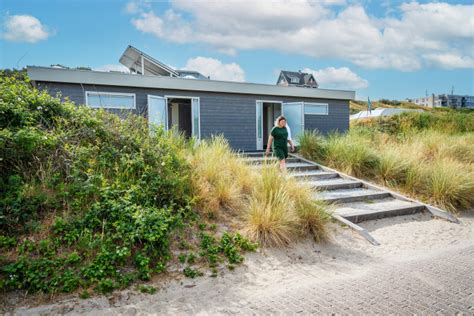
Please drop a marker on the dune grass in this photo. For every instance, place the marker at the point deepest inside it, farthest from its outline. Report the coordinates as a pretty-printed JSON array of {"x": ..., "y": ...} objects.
[
  {"x": 219, "y": 179},
  {"x": 272, "y": 209},
  {"x": 448, "y": 184},
  {"x": 282, "y": 209},
  {"x": 434, "y": 164},
  {"x": 270, "y": 219}
]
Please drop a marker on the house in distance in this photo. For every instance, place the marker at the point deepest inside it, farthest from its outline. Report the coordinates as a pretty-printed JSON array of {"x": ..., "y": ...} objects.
[{"x": 297, "y": 79}]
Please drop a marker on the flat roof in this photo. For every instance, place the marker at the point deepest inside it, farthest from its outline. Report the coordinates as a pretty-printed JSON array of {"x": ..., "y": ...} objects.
[{"x": 48, "y": 74}]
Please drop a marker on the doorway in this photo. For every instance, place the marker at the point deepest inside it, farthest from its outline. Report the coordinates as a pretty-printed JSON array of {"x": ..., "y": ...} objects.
[
  {"x": 267, "y": 112},
  {"x": 270, "y": 113},
  {"x": 182, "y": 113},
  {"x": 179, "y": 115}
]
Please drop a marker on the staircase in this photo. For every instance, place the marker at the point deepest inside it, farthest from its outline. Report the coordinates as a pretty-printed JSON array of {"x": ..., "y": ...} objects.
[{"x": 353, "y": 200}]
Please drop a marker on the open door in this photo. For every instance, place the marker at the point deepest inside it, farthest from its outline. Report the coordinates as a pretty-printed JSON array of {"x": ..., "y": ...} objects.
[
  {"x": 259, "y": 125},
  {"x": 157, "y": 111},
  {"x": 294, "y": 114}
]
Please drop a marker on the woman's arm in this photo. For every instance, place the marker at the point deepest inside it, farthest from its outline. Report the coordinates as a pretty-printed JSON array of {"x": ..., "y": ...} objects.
[
  {"x": 269, "y": 144},
  {"x": 291, "y": 145}
]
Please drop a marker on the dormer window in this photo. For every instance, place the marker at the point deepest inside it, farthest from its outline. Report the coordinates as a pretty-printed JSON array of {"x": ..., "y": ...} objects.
[{"x": 294, "y": 80}]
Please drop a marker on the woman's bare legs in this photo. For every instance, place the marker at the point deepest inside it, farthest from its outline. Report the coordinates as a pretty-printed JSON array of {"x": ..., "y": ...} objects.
[{"x": 283, "y": 165}]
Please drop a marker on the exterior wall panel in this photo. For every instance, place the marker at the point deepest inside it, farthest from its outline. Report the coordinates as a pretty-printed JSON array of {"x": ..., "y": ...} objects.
[{"x": 229, "y": 114}]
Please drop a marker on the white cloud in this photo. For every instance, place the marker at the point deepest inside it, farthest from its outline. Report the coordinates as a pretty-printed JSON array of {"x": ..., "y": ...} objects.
[
  {"x": 216, "y": 69},
  {"x": 24, "y": 28},
  {"x": 333, "y": 2},
  {"x": 451, "y": 61},
  {"x": 314, "y": 28},
  {"x": 112, "y": 67},
  {"x": 170, "y": 26},
  {"x": 338, "y": 78}
]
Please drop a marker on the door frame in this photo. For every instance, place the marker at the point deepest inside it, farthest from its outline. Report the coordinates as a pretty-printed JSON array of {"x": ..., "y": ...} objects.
[
  {"x": 167, "y": 97},
  {"x": 295, "y": 141},
  {"x": 259, "y": 145},
  {"x": 150, "y": 96}
]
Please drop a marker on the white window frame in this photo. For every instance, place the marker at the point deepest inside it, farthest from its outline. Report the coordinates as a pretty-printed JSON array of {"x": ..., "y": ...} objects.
[
  {"x": 318, "y": 104},
  {"x": 294, "y": 79},
  {"x": 111, "y": 93},
  {"x": 167, "y": 97}
]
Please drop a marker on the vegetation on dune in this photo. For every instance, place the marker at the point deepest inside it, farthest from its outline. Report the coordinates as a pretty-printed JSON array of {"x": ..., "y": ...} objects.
[
  {"x": 92, "y": 201},
  {"x": 445, "y": 120},
  {"x": 357, "y": 106},
  {"x": 426, "y": 155},
  {"x": 272, "y": 209},
  {"x": 87, "y": 198},
  {"x": 220, "y": 180},
  {"x": 281, "y": 209}
]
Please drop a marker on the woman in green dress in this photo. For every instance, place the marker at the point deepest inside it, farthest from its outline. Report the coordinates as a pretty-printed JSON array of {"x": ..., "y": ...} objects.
[{"x": 279, "y": 138}]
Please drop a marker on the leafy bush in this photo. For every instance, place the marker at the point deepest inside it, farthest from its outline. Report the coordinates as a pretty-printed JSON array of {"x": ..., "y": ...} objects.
[{"x": 98, "y": 195}]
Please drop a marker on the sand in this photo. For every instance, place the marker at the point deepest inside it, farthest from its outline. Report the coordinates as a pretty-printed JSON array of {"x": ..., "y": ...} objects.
[{"x": 346, "y": 255}]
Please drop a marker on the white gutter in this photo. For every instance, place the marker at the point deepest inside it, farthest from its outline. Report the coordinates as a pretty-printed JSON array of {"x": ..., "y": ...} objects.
[{"x": 48, "y": 74}]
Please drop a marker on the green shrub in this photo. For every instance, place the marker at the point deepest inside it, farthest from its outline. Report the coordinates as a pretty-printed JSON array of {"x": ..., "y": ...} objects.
[{"x": 104, "y": 192}]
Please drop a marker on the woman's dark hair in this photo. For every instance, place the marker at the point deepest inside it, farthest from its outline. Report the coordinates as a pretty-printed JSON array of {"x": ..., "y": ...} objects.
[{"x": 280, "y": 118}]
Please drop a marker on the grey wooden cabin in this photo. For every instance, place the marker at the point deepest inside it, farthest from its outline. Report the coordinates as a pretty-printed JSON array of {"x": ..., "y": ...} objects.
[{"x": 243, "y": 112}]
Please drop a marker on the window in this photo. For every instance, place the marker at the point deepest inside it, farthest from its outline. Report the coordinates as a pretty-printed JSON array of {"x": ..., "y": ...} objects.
[
  {"x": 315, "y": 108},
  {"x": 111, "y": 100},
  {"x": 295, "y": 80}
]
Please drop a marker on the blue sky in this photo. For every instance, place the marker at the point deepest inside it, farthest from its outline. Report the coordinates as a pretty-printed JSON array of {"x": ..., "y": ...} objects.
[{"x": 382, "y": 49}]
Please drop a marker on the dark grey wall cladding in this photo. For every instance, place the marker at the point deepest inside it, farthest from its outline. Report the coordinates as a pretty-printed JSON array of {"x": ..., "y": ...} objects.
[
  {"x": 337, "y": 119},
  {"x": 232, "y": 115}
]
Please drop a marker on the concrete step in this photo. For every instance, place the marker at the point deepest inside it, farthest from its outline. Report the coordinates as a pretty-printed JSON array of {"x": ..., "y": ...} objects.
[
  {"x": 334, "y": 184},
  {"x": 260, "y": 160},
  {"x": 315, "y": 174},
  {"x": 300, "y": 166},
  {"x": 357, "y": 212},
  {"x": 293, "y": 166},
  {"x": 351, "y": 195},
  {"x": 252, "y": 154}
]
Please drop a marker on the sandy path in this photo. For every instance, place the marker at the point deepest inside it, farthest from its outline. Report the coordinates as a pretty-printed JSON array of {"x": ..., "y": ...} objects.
[{"x": 288, "y": 279}]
